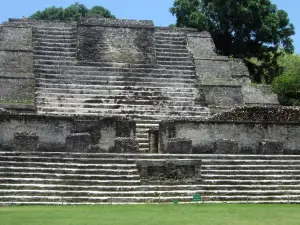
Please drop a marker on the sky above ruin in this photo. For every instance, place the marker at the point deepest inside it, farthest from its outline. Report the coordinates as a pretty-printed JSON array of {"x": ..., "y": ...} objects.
[{"x": 156, "y": 10}]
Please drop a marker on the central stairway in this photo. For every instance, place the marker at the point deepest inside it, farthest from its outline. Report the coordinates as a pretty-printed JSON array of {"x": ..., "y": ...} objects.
[
  {"x": 146, "y": 93},
  {"x": 47, "y": 178}
]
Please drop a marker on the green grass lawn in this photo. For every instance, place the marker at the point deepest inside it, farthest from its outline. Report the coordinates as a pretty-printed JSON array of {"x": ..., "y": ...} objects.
[{"x": 152, "y": 214}]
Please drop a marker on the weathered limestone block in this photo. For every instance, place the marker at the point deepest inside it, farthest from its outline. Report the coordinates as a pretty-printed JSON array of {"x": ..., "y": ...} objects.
[
  {"x": 169, "y": 170},
  {"x": 223, "y": 95},
  {"x": 179, "y": 146},
  {"x": 25, "y": 141},
  {"x": 226, "y": 147},
  {"x": 212, "y": 70},
  {"x": 259, "y": 95},
  {"x": 271, "y": 147},
  {"x": 121, "y": 41},
  {"x": 16, "y": 62},
  {"x": 239, "y": 70},
  {"x": 126, "y": 145},
  {"x": 80, "y": 142},
  {"x": 17, "y": 91},
  {"x": 201, "y": 45},
  {"x": 15, "y": 38}
]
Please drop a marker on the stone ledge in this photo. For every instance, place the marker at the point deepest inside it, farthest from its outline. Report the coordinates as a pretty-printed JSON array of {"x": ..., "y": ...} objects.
[
  {"x": 213, "y": 58},
  {"x": 261, "y": 114},
  {"x": 203, "y": 34},
  {"x": 146, "y": 24},
  {"x": 175, "y": 29},
  {"x": 29, "y": 107}
]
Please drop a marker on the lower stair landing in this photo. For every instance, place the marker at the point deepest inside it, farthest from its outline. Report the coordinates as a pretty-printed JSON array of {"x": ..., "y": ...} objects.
[{"x": 45, "y": 178}]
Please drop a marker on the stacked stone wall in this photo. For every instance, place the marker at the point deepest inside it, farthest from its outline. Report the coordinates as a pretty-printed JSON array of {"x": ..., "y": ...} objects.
[
  {"x": 53, "y": 131},
  {"x": 17, "y": 84},
  {"x": 247, "y": 128},
  {"x": 120, "y": 41}
]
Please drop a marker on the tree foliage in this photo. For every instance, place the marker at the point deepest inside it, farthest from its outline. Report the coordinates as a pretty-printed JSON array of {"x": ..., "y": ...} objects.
[
  {"x": 241, "y": 28},
  {"x": 287, "y": 85},
  {"x": 72, "y": 13}
]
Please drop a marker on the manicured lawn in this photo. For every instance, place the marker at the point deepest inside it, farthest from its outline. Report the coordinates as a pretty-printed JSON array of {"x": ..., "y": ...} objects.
[{"x": 152, "y": 214}]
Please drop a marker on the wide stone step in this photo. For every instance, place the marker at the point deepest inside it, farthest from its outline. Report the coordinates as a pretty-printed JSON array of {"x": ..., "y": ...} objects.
[
  {"x": 146, "y": 193},
  {"x": 249, "y": 162},
  {"x": 59, "y": 165},
  {"x": 49, "y": 169},
  {"x": 150, "y": 108},
  {"x": 120, "y": 76},
  {"x": 46, "y": 82},
  {"x": 45, "y": 63},
  {"x": 249, "y": 182},
  {"x": 249, "y": 157},
  {"x": 250, "y": 177},
  {"x": 87, "y": 182},
  {"x": 162, "y": 37},
  {"x": 201, "y": 189},
  {"x": 250, "y": 172},
  {"x": 48, "y": 40},
  {"x": 56, "y": 200},
  {"x": 169, "y": 49},
  {"x": 118, "y": 95},
  {"x": 174, "y": 58},
  {"x": 50, "y": 69},
  {"x": 71, "y": 87},
  {"x": 71, "y": 160},
  {"x": 171, "y": 46},
  {"x": 109, "y": 94},
  {"x": 137, "y": 102},
  {"x": 53, "y": 53},
  {"x": 125, "y": 114},
  {"x": 54, "y": 57},
  {"x": 163, "y": 73},
  {"x": 166, "y": 54},
  {"x": 129, "y": 66},
  {"x": 178, "y": 67},
  {"x": 96, "y": 194},
  {"x": 253, "y": 199},
  {"x": 169, "y": 35},
  {"x": 73, "y": 200},
  {"x": 175, "y": 63},
  {"x": 122, "y": 97},
  {"x": 54, "y": 44},
  {"x": 67, "y": 32},
  {"x": 166, "y": 156},
  {"x": 160, "y": 41},
  {"x": 59, "y": 49},
  {"x": 58, "y": 38},
  {"x": 137, "y": 111},
  {"x": 64, "y": 176}
]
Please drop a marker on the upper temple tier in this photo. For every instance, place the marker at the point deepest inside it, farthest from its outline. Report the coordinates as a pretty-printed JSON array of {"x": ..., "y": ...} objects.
[{"x": 119, "y": 67}]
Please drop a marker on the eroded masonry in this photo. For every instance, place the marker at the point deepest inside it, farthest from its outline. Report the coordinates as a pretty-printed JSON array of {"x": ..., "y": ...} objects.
[{"x": 83, "y": 104}]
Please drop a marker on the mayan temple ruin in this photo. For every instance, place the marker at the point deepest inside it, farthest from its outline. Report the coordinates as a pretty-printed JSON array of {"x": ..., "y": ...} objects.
[{"x": 107, "y": 111}]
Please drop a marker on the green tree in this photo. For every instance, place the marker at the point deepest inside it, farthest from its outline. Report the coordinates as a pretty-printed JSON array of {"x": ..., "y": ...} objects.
[
  {"x": 99, "y": 10},
  {"x": 241, "y": 28},
  {"x": 287, "y": 85},
  {"x": 72, "y": 13}
]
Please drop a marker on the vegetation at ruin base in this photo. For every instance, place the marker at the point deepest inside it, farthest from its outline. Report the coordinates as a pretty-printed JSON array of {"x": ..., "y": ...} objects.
[
  {"x": 72, "y": 13},
  {"x": 253, "y": 29},
  {"x": 287, "y": 85},
  {"x": 152, "y": 215}
]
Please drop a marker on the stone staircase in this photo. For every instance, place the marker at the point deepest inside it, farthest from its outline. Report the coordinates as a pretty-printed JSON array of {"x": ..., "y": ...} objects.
[
  {"x": 144, "y": 92},
  {"x": 74, "y": 178}
]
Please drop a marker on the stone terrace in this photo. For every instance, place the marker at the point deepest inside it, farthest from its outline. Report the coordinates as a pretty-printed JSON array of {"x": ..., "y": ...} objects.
[{"x": 76, "y": 178}]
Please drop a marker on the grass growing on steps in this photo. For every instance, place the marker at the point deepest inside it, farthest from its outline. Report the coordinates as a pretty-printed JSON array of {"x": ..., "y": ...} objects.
[{"x": 152, "y": 215}]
